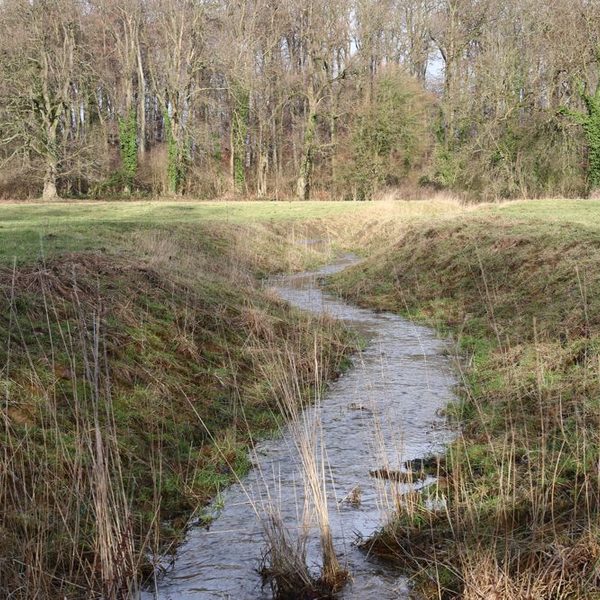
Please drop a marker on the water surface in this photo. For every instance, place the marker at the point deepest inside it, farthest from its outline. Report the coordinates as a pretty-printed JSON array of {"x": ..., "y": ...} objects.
[{"x": 380, "y": 413}]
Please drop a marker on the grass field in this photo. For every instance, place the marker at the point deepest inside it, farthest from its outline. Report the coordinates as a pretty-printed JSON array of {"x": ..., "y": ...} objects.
[
  {"x": 580, "y": 212},
  {"x": 27, "y": 230},
  {"x": 30, "y": 229}
]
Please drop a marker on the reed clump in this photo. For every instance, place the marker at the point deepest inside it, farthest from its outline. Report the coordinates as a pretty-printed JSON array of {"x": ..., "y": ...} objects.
[{"x": 285, "y": 566}]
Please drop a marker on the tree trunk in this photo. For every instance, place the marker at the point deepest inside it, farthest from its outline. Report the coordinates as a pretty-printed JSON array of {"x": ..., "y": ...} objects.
[
  {"x": 239, "y": 130},
  {"x": 592, "y": 131},
  {"x": 50, "y": 192},
  {"x": 304, "y": 183},
  {"x": 594, "y": 157},
  {"x": 175, "y": 154},
  {"x": 141, "y": 103},
  {"x": 231, "y": 157},
  {"x": 263, "y": 167},
  {"x": 51, "y": 173},
  {"x": 450, "y": 58}
]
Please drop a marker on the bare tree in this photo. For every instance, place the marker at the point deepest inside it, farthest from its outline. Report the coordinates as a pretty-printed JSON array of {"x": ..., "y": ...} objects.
[
  {"x": 40, "y": 64},
  {"x": 177, "y": 35},
  {"x": 322, "y": 32},
  {"x": 201, "y": 96}
]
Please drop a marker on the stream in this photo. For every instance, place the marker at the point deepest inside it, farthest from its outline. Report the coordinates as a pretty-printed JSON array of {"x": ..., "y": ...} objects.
[{"x": 381, "y": 412}]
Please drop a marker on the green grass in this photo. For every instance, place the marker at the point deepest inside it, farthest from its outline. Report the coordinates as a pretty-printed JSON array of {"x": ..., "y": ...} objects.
[
  {"x": 582, "y": 212},
  {"x": 30, "y": 229},
  {"x": 174, "y": 285}
]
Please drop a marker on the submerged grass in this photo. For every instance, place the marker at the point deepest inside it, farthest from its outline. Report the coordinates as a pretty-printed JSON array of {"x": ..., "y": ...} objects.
[{"x": 515, "y": 512}]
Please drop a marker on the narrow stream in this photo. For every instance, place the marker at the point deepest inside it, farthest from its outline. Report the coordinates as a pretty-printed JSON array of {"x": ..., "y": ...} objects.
[{"x": 379, "y": 414}]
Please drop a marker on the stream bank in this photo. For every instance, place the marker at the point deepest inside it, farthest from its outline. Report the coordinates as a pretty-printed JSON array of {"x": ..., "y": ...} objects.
[
  {"x": 380, "y": 413},
  {"x": 522, "y": 299}
]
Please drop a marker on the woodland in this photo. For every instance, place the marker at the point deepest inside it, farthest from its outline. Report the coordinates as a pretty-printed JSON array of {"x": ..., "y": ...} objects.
[{"x": 321, "y": 99}]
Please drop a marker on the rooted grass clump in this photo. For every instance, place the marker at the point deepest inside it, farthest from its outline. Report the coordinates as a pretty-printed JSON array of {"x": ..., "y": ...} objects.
[
  {"x": 515, "y": 511},
  {"x": 285, "y": 566}
]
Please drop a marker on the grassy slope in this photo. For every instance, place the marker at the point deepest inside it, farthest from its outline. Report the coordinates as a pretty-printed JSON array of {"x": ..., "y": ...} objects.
[
  {"x": 184, "y": 336},
  {"x": 519, "y": 286},
  {"x": 132, "y": 383}
]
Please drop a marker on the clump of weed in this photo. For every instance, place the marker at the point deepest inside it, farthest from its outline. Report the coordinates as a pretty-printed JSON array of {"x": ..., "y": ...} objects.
[{"x": 286, "y": 568}]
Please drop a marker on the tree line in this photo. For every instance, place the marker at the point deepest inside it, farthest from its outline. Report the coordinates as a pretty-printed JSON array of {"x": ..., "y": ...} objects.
[{"x": 305, "y": 98}]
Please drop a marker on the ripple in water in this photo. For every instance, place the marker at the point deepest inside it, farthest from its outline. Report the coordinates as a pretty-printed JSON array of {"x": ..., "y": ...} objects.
[{"x": 382, "y": 412}]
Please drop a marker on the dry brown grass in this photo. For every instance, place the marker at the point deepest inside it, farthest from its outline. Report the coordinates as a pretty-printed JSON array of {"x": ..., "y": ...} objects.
[{"x": 286, "y": 566}]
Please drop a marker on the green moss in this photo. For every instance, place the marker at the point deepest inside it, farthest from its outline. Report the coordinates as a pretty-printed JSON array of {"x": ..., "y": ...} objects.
[
  {"x": 177, "y": 157},
  {"x": 590, "y": 123},
  {"x": 239, "y": 124}
]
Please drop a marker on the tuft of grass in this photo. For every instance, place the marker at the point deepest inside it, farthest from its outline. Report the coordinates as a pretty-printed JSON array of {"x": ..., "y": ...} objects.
[{"x": 285, "y": 565}]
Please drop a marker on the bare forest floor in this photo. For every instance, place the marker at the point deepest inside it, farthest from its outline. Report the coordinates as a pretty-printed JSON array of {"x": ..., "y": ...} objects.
[{"x": 133, "y": 336}]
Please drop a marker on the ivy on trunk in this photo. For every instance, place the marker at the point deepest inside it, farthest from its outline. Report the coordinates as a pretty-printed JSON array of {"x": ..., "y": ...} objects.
[
  {"x": 128, "y": 144},
  {"x": 590, "y": 122}
]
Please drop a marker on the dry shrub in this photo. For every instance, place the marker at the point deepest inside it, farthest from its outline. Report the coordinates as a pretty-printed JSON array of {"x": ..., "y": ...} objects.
[
  {"x": 19, "y": 180},
  {"x": 207, "y": 179},
  {"x": 152, "y": 171},
  {"x": 414, "y": 192}
]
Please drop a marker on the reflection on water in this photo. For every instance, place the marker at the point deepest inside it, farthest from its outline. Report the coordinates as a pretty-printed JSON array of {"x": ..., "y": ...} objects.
[{"x": 380, "y": 413}]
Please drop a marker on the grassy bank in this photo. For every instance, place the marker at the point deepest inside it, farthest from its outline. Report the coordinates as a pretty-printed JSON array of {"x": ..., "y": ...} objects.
[
  {"x": 515, "y": 510},
  {"x": 132, "y": 381}
]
